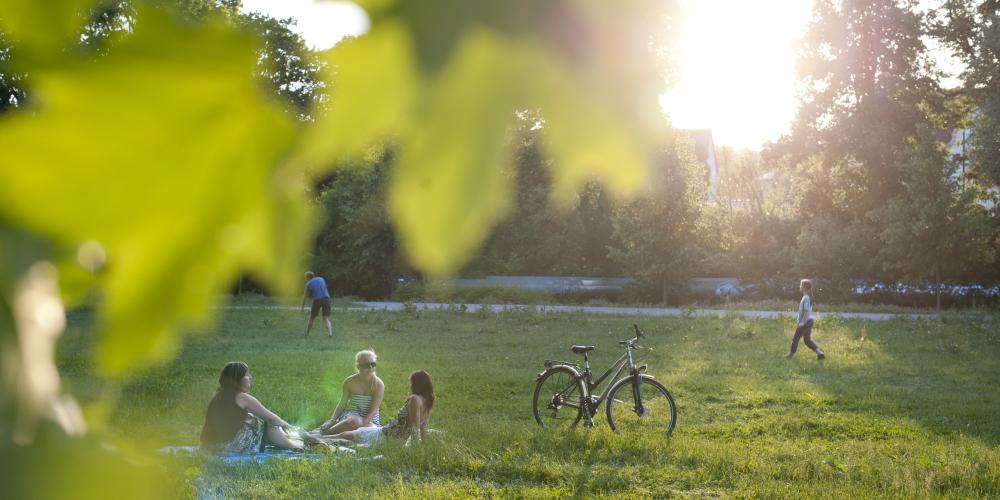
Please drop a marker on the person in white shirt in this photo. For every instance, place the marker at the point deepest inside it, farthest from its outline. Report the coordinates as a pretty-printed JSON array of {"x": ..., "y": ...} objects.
[{"x": 804, "y": 322}]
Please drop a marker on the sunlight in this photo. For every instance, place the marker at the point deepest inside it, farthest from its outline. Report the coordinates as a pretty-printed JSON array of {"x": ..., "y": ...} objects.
[
  {"x": 737, "y": 69},
  {"x": 322, "y": 24}
]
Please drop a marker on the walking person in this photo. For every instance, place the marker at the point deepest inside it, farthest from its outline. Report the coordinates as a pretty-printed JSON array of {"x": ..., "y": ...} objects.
[
  {"x": 804, "y": 322},
  {"x": 320, "y": 295}
]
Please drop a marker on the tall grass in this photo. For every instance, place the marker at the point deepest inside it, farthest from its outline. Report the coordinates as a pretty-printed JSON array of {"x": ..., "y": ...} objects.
[{"x": 900, "y": 408}]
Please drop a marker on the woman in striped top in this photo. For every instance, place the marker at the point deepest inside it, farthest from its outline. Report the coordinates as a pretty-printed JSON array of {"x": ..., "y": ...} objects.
[
  {"x": 411, "y": 420},
  {"x": 360, "y": 399}
]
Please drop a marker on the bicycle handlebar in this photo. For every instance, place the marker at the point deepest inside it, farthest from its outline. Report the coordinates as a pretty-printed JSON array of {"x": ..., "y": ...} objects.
[{"x": 632, "y": 342}]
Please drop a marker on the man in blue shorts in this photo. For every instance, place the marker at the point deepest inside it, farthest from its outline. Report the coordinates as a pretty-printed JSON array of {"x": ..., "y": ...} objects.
[{"x": 317, "y": 291}]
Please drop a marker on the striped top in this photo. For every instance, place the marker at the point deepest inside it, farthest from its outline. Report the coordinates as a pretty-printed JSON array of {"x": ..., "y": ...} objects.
[{"x": 360, "y": 404}]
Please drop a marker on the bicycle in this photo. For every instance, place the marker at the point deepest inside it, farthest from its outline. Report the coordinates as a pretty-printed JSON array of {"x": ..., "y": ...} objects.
[{"x": 564, "y": 394}]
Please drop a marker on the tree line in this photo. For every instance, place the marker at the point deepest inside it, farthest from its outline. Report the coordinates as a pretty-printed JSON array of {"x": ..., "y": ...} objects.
[{"x": 861, "y": 188}]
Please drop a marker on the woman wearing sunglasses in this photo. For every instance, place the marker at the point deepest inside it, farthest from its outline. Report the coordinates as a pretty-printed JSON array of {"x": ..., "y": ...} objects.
[
  {"x": 411, "y": 420},
  {"x": 360, "y": 398}
]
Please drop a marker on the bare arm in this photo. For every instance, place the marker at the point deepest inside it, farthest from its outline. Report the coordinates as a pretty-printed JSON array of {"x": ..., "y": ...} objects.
[
  {"x": 423, "y": 426},
  {"x": 414, "y": 421},
  {"x": 376, "y": 403},
  {"x": 305, "y": 294},
  {"x": 250, "y": 404},
  {"x": 344, "y": 393}
]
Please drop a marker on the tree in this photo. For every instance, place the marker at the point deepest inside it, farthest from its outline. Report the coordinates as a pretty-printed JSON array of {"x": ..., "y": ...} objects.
[
  {"x": 11, "y": 81},
  {"x": 355, "y": 247},
  {"x": 972, "y": 29},
  {"x": 530, "y": 240},
  {"x": 655, "y": 236},
  {"x": 538, "y": 238},
  {"x": 753, "y": 226},
  {"x": 867, "y": 86},
  {"x": 837, "y": 252},
  {"x": 934, "y": 230},
  {"x": 289, "y": 68}
]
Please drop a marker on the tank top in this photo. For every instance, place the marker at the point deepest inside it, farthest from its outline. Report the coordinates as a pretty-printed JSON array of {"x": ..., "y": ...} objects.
[
  {"x": 361, "y": 404},
  {"x": 223, "y": 419}
]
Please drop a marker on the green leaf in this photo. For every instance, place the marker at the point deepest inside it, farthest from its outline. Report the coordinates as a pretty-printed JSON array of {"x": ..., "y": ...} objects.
[
  {"x": 586, "y": 138},
  {"x": 449, "y": 188},
  {"x": 43, "y": 30},
  {"x": 374, "y": 87},
  {"x": 444, "y": 78},
  {"x": 163, "y": 153}
]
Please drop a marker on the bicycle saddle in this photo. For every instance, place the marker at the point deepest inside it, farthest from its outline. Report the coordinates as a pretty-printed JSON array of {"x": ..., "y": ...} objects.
[{"x": 580, "y": 349}]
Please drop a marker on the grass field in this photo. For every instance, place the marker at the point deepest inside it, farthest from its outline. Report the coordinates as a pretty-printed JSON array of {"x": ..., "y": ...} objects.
[{"x": 900, "y": 408}]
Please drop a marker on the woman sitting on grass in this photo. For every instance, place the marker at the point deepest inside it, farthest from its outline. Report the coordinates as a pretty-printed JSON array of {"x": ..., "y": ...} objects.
[
  {"x": 236, "y": 422},
  {"x": 411, "y": 419},
  {"x": 360, "y": 398}
]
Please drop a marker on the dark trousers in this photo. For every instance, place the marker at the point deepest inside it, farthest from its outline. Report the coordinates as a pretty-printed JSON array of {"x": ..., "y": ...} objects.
[{"x": 804, "y": 332}]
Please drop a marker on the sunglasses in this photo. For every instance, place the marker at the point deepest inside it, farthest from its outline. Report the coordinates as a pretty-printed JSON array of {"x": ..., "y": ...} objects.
[{"x": 367, "y": 365}]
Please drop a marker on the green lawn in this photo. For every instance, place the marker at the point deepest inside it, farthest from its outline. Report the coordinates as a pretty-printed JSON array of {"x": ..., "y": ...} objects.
[{"x": 911, "y": 410}]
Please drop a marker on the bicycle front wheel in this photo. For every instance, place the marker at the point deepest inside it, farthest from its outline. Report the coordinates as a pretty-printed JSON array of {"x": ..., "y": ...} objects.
[
  {"x": 558, "y": 398},
  {"x": 639, "y": 403}
]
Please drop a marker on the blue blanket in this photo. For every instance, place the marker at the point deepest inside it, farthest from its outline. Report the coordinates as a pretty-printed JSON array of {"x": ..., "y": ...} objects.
[{"x": 241, "y": 458}]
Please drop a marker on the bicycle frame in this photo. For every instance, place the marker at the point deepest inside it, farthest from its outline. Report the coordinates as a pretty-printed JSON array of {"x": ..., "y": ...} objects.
[
  {"x": 593, "y": 402},
  {"x": 619, "y": 366}
]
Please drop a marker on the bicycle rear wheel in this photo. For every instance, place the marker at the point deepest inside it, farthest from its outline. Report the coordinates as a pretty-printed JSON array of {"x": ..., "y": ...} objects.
[
  {"x": 558, "y": 397},
  {"x": 657, "y": 412}
]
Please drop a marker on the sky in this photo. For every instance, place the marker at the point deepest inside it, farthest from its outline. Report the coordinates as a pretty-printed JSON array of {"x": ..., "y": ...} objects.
[
  {"x": 322, "y": 24},
  {"x": 737, "y": 68},
  {"x": 737, "y": 65}
]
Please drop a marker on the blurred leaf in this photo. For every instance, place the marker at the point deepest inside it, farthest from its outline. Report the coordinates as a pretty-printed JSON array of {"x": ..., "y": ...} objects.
[
  {"x": 448, "y": 93},
  {"x": 612, "y": 152},
  {"x": 61, "y": 467},
  {"x": 449, "y": 188},
  {"x": 43, "y": 30},
  {"x": 163, "y": 153},
  {"x": 375, "y": 83},
  {"x": 19, "y": 249}
]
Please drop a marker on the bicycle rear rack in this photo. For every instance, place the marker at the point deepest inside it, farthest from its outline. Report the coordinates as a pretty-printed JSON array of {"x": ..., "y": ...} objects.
[{"x": 549, "y": 363}]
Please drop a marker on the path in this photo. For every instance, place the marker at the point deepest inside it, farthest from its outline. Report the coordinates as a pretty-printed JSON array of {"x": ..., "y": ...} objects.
[{"x": 619, "y": 311}]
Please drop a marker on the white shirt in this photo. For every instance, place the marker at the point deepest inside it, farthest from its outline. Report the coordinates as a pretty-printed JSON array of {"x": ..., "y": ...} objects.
[{"x": 805, "y": 309}]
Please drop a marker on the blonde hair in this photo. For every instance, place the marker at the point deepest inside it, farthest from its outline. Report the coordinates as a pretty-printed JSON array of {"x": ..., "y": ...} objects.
[
  {"x": 366, "y": 352},
  {"x": 357, "y": 359},
  {"x": 807, "y": 286}
]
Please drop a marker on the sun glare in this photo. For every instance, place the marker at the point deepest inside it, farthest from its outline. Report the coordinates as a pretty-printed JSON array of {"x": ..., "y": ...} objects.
[{"x": 737, "y": 68}]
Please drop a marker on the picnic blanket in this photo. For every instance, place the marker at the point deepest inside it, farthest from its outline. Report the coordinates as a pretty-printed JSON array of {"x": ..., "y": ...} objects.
[{"x": 268, "y": 453}]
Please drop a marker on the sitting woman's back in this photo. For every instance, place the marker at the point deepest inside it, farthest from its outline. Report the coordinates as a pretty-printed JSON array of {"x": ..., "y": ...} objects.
[
  {"x": 236, "y": 422},
  {"x": 223, "y": 419},
  {"x": 411, "y": 417}
]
